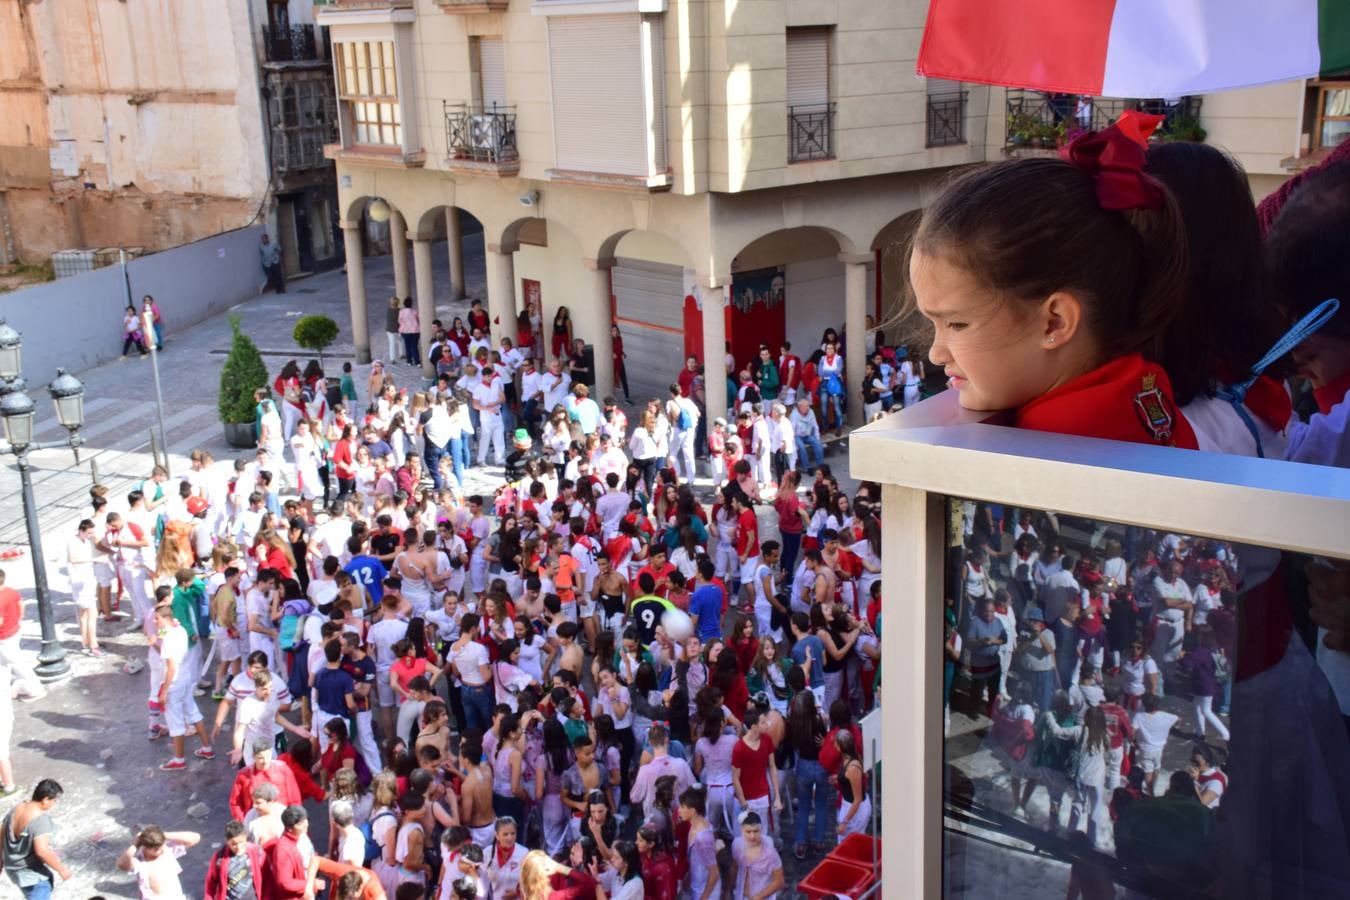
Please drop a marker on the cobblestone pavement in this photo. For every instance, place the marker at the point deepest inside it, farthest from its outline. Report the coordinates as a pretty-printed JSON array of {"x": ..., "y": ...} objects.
[{"x": 90, "y": 733}]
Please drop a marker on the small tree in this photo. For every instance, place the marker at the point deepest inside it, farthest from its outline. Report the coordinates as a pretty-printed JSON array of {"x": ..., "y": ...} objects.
[
  {"x": 315, "y": 333},
  {"x": 242, "y": 375}
]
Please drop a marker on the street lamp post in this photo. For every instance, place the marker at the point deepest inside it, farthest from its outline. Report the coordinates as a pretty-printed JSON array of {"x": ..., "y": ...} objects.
[{"x": 17, "y": 412}]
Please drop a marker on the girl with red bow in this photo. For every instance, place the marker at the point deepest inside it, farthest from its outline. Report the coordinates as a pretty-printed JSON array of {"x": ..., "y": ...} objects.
[{"x": 1048, "y": 280}]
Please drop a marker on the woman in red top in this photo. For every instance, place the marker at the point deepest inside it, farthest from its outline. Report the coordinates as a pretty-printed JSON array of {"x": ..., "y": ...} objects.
[
  {"x": 562, "y": 333},
  {"x": 340, "y": 753},
  {"x": 407, "y": 667},
  {"x": 792, "y": 519},
  {"x": 620, "y": 371},
  {"x": 744, "y": 644},
  {"x": 274, "y": 553},
  {"x": 727, "y": 678},
  {"x": 658, "y": 865},
  {"x": 543, "y": 879}
]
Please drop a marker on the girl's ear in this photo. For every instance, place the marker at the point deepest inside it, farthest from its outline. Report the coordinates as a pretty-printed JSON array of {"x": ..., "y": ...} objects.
[{"x": 1061, "y": 318}]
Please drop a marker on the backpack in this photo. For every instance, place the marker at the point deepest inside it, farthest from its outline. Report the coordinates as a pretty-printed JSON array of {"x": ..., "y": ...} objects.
[
  {"x": 1222, "y": 672},
  {"x": 686, "y": 421},
  {"x": 373, "y": 851},
  {"x": 292, "y": 612}
]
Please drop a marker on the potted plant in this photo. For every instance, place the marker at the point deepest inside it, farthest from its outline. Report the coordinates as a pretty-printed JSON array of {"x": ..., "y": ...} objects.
[
  {"x": 315, "y": 333},
  {"x": 241, "y": 376}
]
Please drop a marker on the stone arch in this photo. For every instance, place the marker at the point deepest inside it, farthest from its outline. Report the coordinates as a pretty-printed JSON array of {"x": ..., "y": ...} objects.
[{"x": 898, "y": 321}]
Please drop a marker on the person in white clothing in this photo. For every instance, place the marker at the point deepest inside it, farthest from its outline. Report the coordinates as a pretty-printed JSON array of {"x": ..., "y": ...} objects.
[
  {"x": 488, "y": 399},
  {"x": 175, "y": 692},
  {"x": 83, "y": 584},
  {"x": 1151, "y": 728}
]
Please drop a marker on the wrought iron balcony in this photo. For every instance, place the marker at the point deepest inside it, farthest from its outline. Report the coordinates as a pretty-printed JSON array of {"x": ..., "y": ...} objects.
[
  {"x": 810, "y": 132},
  {"x": 1040, "y": 119},
  {"x": 947, "y": 119},
  {"x": 485, "y": 138},
  {"x": 293, "y": 43}
]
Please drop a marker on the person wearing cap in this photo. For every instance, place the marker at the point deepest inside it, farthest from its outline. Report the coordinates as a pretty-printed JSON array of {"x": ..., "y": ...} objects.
[
  {"x": 1036, "y": 656},
  {"x": 522, "y": 451}
]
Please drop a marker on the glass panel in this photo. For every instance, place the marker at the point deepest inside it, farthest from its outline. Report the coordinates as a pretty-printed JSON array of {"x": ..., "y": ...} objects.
[
  {"x": 390, "y": 80},
  {"x": 1333, "y": 132},
  {"x": 1336, "y": 101},
  {"x": 362, "y": 70},
  {"x": 1128, "y": 708}
]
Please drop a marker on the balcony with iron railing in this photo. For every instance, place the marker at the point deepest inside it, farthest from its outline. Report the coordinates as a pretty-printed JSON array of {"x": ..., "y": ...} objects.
[
  {"x": 947, "y": 119},
  {"x": 481, "y": 139},
  {"x": 290, "y": 43},
  {"x": 1039, "y": 120},
  {"x": 810, "y": 132}
]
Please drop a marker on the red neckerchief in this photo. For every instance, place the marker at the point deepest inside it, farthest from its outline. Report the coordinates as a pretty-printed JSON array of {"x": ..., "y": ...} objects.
[
  {"x": 1331, "y": 393},
  {"x": 1128, "y": 399},
  {"x": 1266, "y": 398}
]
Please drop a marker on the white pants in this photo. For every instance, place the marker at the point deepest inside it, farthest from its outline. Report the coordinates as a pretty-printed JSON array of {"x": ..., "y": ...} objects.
[
  {"x": 911, "y": 394},
  {"x": 861, "y": 819},
  {"x": 722, "y": 807},
  {"x": 137, "y": 582},
  {"x": 682, "y": 454},
  {"x": 763, "y": 467},
  {"x": 490, "y": 432},
  {"x": 290, "y": 417},
  {"x": 1089, "y": 800},
  {"x": 13, "y": 656},
  {"x": 787, "y": 396},
  {"x": 1113, "y": 760},
  {"x": 393, "y": 344},
  {"x": 180, "y": 710},
  {"x": 1204, "y": 712},
  {"x": 763, "y": 806},
  {"x": 365, "y": 742}
]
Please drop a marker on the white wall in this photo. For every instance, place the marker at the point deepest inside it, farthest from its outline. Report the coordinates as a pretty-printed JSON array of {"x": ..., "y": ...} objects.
[{"x": 815, "y": 300}]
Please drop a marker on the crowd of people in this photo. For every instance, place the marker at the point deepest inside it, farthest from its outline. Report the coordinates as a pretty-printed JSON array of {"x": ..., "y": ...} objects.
[
  {"x": 494, "y": 693},
  {"x": 584, "y": 668}
]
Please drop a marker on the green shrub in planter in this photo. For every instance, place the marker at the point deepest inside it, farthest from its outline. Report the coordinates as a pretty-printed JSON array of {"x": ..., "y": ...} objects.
[
  {"x": 315, "y": 333},
  {"x": 242, "y": 375}
]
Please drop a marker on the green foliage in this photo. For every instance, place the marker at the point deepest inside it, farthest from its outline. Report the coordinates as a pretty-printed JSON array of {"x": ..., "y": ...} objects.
[
  {"x": 1183, "y": 128},
  {"x": 242, "y": 374},
  {"x": 315, "y": 333}
]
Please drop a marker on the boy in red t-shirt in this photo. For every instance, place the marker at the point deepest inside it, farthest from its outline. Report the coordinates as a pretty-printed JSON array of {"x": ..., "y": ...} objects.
[
  {"x": 747, "y": 541},
  {"x": 754, "y": 774}
]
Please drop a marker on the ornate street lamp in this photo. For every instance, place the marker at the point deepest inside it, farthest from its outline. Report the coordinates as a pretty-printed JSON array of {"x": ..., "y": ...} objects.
[{"x": 17, "y": 412}]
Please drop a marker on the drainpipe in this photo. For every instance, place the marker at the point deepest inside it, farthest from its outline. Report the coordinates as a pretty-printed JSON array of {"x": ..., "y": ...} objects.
[{"x": 262, "y": 109}]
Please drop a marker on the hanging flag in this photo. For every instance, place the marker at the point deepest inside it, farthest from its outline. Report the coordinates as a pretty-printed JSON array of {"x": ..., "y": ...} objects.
[{"x": 1134, "y": 48}]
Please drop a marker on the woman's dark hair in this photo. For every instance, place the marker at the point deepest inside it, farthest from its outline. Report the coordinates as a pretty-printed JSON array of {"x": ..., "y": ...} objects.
[
  {"x": 713, "y": 723},
  {"x": 841, "y": 715},
  {"x": 644, "y": 679},
  {"x": 654, "y": 836},
  {"x": 336, "y": 728},
  {"x": 604, "y": 647},
  {"x": 1226, "y": 317},
  {"x": 556, "y": 747},
  {"x": 804, "y": 728},
  {"x": 627, "y": 852},
  {"x": 507, "y": 649},
  {"x": 1028, "y": 228},
  {"x": 507, "y": 725},
  {"x": 417, "y": 636},
  {"x": 727, "y": 673},
  {"x": 1308, "y": 247},
  {"x": 302, "y": 751},
  {"x": 605, "y": 734}
]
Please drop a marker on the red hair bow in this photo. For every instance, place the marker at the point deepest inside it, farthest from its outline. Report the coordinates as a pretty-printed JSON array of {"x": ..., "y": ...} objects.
[{"x": 1114, "y": 157}]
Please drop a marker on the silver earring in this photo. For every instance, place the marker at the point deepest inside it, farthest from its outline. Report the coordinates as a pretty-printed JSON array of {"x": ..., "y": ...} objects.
[{"x": 1051, "y": 340}]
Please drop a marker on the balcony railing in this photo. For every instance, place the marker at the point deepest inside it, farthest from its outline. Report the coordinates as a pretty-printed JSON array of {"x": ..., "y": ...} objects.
[
  {"x": 1040, "y": 119},
  {"x": 810, "y": 132},
  {"x": 481, "y": 135},
  {"x": 294, "y": 43},
  {"x": 947, "y": 119},
  {"x": 298, "y": 148}
]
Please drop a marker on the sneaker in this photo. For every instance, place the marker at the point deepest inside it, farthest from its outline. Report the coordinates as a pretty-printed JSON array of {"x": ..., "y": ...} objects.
[
  {"x": 7, "y": 792},
  {"x": 201, "y": 692},
  {"x": 204, "y": 753},
  {"x": 96, "y": 652},
  {"x": 157, "y": 732},
  {"x": 173, "y": 765},
  {"x": 217, "y": 696}
]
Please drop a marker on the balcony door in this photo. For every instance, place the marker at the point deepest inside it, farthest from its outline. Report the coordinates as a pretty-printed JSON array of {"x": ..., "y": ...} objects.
[{"x": 491, "y": 73}]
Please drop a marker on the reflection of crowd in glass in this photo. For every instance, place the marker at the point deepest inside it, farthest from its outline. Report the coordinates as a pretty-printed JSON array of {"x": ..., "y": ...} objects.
[{"x": 1065, "y": 650}]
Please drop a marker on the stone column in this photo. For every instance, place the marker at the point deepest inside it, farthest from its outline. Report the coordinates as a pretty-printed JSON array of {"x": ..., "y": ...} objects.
[
  {"x": 398, "y": 246},
  {"x": 596, "y": 322},
  {"x": 855, "y": 326},
  {"x": 715, "y": 300},
  {"x": 356, "y": 289},
  {"x": 454, "y": 244},
  {"x": 426, "y": 299},
  {"x": 501, "y": 290}
]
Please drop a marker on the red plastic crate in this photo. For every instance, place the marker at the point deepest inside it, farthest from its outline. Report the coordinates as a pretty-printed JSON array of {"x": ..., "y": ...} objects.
[
  {"x": 858, "y": 850},
  {"x": 835, "y": 877}
]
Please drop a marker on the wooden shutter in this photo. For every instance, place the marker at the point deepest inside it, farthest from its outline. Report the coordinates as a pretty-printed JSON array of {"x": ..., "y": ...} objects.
[
  {"x": 491, "y": 72},
  {"x": 808, "y": 66},
  {"x": 599, "y": 110}
]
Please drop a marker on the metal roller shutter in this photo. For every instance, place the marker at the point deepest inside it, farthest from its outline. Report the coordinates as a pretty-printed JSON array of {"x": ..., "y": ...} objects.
[
  {"x": 808, "y": 66},
  {"x": 649, "y": 299},
  {"x": 600, "y": 119},
  {"x": 492, "y": 71}
]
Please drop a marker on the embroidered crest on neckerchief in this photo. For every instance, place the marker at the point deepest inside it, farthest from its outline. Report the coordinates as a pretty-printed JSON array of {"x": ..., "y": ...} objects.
[{"x": 1154, "y": 412}]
